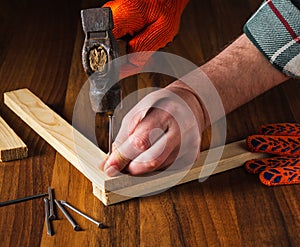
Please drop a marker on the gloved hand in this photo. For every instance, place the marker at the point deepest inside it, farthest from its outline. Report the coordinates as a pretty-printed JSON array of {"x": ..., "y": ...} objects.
[
  {"x": 283, "y": 140},
  {"x": 151, "y": 23}
]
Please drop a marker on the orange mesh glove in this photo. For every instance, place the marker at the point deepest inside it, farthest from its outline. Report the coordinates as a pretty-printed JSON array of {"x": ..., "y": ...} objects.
[
  {"x": 151, "y": 23},
  {"x": 281, "y": 139}
]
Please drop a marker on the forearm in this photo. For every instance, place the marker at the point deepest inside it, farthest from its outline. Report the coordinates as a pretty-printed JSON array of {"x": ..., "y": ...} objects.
[
  {"x": 265, "y": 56},
  {"x": 232, "y": 78},
  {"x": 240, "y": 73}
]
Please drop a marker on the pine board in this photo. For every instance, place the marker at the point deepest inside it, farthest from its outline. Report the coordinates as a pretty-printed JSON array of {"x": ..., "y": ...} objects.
[{"x": 11, "y": 145}]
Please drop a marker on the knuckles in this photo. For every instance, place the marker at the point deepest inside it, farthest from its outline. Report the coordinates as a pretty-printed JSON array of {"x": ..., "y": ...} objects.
[
  {"x": 147, "y": 167},
  {"x": 141, "y": 143},
  {"x": 153, "y": 164}
]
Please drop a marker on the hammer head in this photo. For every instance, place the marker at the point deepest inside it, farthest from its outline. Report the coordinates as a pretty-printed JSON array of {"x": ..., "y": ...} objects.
[{"x": 99, "y": 50}]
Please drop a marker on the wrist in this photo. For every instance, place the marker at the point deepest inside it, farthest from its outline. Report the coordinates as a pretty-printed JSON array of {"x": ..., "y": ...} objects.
[{"x": 194, "y": 102}]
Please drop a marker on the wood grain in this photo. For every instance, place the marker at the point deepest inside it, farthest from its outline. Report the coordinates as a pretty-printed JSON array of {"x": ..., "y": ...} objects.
[
  {"x": 233, "y": 156},
  {"x": 40, "y": 49},
  {"x": 77, "y": 149},
  {"x": 11, "y": 145}
]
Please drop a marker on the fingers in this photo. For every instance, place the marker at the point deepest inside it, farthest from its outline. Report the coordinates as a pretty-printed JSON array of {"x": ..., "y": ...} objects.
[
  {"x": 147, "y": 132},
  {"x": 275, "y": 170},
  {"x": 282, "y": 139},
  {"x": 279, "y": 176},
  {"x": 151, "y": 24},
  {"x": 168, "y": 151},
  {"x": 256, "y": 166},
  {"x": 282, "y": 145},
  {"x": 137, "y": 114},
  {"x": 127, "y": 18},
  {"x": 153, "y": 134},
  {"x": 131, "y": 121},
  {"x": 152, "y": 38},
  {"x": 156, "y": 156},
  {"x": 154, "y": 145},
  {"x": 290, "y": 129},
  {"x": 114, "y": 164}
]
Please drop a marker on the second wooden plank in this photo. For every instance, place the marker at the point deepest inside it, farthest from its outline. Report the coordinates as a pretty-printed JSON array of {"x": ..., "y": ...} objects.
[{"x": 11, "y": 145}]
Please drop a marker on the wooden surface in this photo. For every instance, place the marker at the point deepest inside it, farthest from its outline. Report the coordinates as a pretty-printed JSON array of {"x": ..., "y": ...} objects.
[
  {"x": 11, "y": 145},
  {"x": 40, "y": 46},
  {"x": 85, "y": 155},
  {"x": 72, "y": 145}
]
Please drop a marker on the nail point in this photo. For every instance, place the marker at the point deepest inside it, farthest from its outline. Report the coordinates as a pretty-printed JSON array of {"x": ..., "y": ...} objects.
[
  {"x": 102, "y": 226},
  {"x": 77, "y": 228}
]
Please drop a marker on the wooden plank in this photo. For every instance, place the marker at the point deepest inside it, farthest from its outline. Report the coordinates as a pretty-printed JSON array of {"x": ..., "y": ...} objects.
[
  {"x": 85, "y": 156},
  {"x": 58, "y": 133},
  {"x": 11, "y": 145},
  {"x": 234, "y": 155}
]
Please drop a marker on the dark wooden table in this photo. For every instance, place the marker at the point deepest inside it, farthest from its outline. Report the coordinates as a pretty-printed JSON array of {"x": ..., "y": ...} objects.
[{"x": 40, "y": 47}]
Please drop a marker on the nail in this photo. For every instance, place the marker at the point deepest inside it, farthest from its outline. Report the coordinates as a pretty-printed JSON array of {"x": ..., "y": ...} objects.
[
  {"x": 27, "y": 198},
  {"x": 110, "y": 133},
  {"x": 75, "y": 226},
  {"x": 99, "y": 224},
  {"x": 51, "y": 204},
  {"x": 48, "y": 224}
]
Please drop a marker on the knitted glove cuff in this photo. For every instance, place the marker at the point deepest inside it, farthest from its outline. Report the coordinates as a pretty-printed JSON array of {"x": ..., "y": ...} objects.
[{"x": 275, "y": 30}]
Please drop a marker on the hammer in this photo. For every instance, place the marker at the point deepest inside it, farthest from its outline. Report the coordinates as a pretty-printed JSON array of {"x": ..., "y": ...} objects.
[{"x": 99, "y": 50}]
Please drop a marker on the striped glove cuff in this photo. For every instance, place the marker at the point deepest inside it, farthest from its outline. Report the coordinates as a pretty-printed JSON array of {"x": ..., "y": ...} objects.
[{"x": 275, "y": 30}]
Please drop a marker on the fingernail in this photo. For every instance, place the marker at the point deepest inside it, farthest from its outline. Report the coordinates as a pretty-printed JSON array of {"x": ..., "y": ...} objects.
[
  {"x": 103, "y": 163},
  {"x": 110, "y": 171}
]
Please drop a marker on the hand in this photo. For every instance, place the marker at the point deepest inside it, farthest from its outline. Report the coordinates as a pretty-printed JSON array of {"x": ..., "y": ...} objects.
[
  {"x": 281, "y": 139},
  {"x": 152, "y": 24},
  {"x": 163, "y": 127}
]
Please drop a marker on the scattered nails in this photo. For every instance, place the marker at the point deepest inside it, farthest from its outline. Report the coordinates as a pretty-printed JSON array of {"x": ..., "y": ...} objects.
[
  {"x": 99, "y": 224},
  {"x": 75, "y": 226},
  {"x": 51, "y": 204},
  {"x": 48, "y": 224},
  {"x": 49, "y": 210}
]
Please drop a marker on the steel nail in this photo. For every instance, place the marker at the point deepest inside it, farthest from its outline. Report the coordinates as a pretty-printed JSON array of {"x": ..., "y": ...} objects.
[
  {"x": 99, "y": 224},
  {"x": 75, "y": 226},
  {"x": 51, "y": 204},
  {"x": 27, "y": 198},
  {"x": 48, "y": 225},
  {"x": 110, "y": 133}
]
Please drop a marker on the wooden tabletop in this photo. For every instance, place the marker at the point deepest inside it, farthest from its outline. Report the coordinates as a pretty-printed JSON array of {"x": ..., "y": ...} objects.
[{"x": 40, "y": 49}]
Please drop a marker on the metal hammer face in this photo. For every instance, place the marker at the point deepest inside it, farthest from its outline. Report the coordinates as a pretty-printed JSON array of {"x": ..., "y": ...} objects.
[{"x": 99, "y": 50}]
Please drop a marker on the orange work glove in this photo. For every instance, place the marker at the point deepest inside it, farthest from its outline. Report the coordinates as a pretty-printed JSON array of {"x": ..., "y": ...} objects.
[
  {"x": 152, "y": 24},
  {"x": 280, "y": 139}
]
